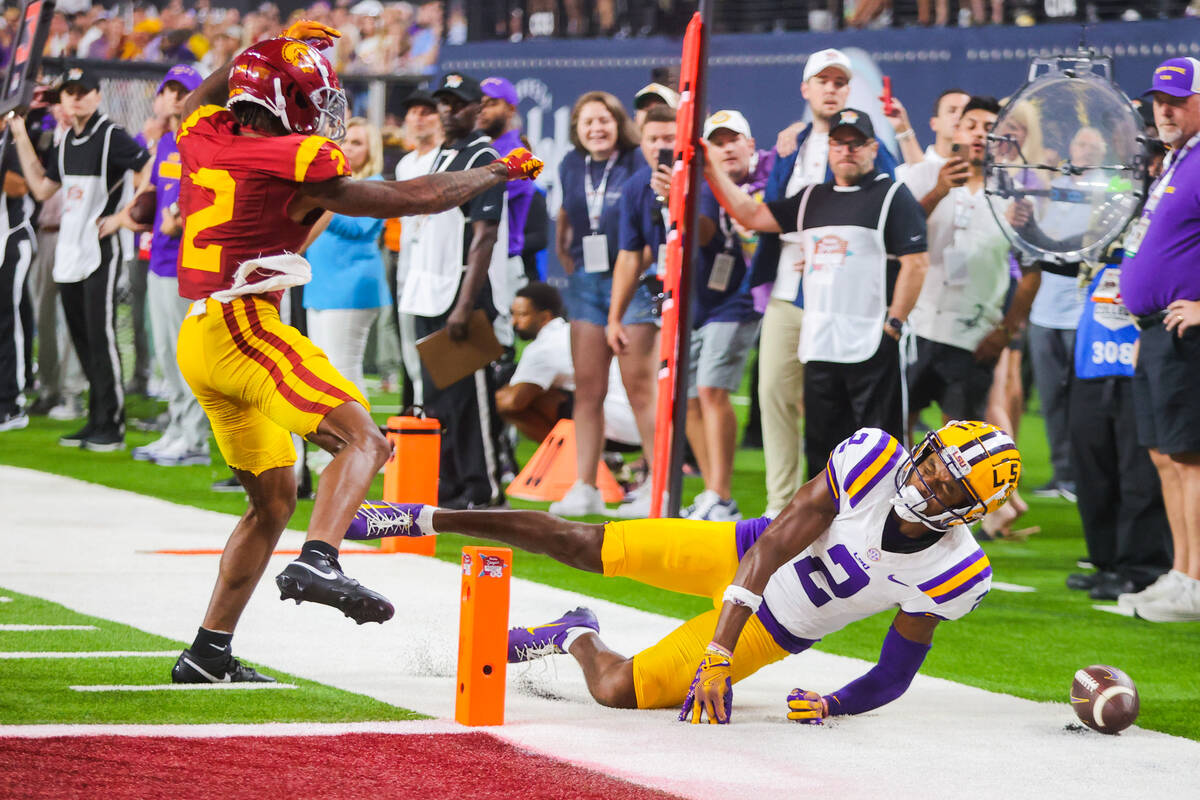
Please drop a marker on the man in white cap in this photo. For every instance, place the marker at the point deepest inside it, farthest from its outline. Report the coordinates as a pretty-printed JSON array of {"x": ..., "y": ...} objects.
[
  {"x": 724, "y": 322},
  {"x": 650, "y": 95},
  {"x": 775, "y": 277}
]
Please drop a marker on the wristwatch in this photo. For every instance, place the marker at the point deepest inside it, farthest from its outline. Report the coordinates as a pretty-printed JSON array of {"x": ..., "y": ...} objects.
[{"x": 896, "y": 324}]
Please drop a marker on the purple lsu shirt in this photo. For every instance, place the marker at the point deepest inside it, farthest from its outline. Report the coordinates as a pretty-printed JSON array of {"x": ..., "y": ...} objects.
[
  {"x": 1164, "y": 267},
  {"x": 164, "y": 177}
]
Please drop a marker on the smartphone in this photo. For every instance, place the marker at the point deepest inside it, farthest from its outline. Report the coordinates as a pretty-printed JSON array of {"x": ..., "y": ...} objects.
[
  {"x": 956, "y": 150},
  {"x": 666, "y": 157},
  {"x": 887, "y": 95}
]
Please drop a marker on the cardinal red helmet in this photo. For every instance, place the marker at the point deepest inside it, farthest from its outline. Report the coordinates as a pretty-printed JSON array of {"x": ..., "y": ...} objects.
[{"x": 293, "y": 81}]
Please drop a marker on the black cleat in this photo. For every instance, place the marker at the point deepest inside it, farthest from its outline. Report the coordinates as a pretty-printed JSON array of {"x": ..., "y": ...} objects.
[
  {"x": 226, "y": 669},
  {"x": 327, "y": 585}
]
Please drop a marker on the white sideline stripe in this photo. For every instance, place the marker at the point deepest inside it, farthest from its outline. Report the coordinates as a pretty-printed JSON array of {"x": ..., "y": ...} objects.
[
  {"x": 1011, "y": 587},
  {"x": 1114, "y": 609},
  {"x": 27, "y": 628},
  {"x": 93, "y": 654},
  {"x": 179, "y": 687},
  {"x": 222, "y": 730}
]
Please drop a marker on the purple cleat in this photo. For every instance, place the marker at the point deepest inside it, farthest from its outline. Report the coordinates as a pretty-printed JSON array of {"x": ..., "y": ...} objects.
[
  {"x": 526, "y": 644},
  {"x": 376, "y": 520}
]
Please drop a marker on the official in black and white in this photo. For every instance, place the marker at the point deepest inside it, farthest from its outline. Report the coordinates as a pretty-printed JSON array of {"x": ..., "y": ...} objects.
[
  {"x": 17, "y": 245},
  {"x": 447, "y": 280},
  {"x": 855, "y": 305},
  {"x": 90, "y": 167}
]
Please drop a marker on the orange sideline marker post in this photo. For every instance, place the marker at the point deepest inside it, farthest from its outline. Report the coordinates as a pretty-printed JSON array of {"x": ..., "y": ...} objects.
[
  {"x": 411, "y": 475},
  {"x": 483, "y": 635}
]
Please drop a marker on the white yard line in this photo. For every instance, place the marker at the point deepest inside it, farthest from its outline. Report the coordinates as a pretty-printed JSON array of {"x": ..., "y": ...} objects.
[
  {"x": 183, "y": 687},
  {"x": 30, "y": 628},
  {"x": 93, "y": 654},
  {"x": 1001, "y": 586},
  {"x": 216, "y": 730},
  {"x": 5, "y": 599},
  {"x": 939, "y": 740}
]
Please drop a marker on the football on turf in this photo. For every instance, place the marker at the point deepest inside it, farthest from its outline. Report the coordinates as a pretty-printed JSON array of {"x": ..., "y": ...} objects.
[
  {"x": 142, "y": 209},
  {"x": 1104, "y": 698}
]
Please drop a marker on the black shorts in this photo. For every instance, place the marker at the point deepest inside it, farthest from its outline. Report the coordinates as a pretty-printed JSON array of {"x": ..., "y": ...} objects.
[
  {"x": 951, "y": 377},
  {"x": 1166, "y": 386}
]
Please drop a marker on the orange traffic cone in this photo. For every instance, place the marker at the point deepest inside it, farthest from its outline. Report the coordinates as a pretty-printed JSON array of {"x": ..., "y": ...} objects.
[{"x": 551, "y": 471}]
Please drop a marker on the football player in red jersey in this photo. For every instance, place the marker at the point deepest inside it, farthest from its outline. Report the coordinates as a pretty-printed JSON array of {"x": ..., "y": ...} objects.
[{"x": 260, "y": 165}]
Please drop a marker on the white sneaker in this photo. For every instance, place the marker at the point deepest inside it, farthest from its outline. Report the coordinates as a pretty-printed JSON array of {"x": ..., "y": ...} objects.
[
  {"x": 701, "y": 505},
  {"x": 1162, "y": 586},
  {"x": 1181, "y": 605},
  {"x": 71, "y": 408},
  {"x": 636, "y": 505},
  {"x": 178, "y": 454},
  {"x": 147, "y": 452},
  {"x": 579, "y": 501},
  {"x": 722, "y": 511}
]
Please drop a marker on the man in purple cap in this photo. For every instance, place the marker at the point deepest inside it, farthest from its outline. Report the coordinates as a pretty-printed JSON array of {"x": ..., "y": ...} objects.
[
  {"x": 185, "y": 440},
  {"x": 1160, "y": 285},
  {"x": 498, "y": 119}
]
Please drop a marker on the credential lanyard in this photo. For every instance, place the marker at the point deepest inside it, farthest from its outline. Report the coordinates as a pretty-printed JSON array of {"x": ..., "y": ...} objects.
[
  {"x": 595, "y": 195},
  {"x": 1160, "y": 186}
]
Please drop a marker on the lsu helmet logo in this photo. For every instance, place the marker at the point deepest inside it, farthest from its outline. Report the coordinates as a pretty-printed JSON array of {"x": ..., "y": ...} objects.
[{"x": 299, "y": 55}]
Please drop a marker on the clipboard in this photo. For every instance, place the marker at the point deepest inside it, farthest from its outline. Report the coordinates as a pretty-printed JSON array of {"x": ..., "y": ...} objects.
[{"x": 449, "y": 362}]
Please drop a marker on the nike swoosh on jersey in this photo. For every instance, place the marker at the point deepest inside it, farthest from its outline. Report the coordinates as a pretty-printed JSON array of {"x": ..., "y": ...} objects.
[{"x": 892, "y": 578}]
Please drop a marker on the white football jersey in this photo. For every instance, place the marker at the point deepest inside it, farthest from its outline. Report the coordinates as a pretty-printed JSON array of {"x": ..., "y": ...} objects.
[{"x": 847, "y": 575}]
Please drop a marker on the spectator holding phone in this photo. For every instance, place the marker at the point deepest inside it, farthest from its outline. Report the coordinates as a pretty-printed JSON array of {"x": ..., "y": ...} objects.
[{"x": 946, "y": 111}]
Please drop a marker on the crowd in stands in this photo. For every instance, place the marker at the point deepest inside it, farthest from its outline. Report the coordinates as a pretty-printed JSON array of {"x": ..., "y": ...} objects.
[{"x": 903, "y": 248}]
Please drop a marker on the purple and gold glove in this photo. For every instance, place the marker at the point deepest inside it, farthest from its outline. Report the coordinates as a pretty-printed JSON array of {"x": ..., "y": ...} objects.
[
  {"x": 807, "y": 707},
  {"x": 377, "y": 520},
  {"x": 711, "y": 692}
]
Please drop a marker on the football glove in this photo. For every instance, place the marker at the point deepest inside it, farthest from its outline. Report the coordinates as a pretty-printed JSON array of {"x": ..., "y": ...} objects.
[
  {"x": 807, "y": 707},
  {"x": 314, "y": 33},
  {"x": 521, "y": 163},
  {"x": 711, "y": 692}
]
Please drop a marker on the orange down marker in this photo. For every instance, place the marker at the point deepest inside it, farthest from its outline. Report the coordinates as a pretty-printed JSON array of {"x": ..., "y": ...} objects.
[
  {"x": 411, "y": 475},
  {"x": 483, "y": 635}
]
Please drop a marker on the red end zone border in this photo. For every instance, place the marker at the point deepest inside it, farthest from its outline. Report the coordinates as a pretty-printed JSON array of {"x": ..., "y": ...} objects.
[{"x": 362, "y": 766}]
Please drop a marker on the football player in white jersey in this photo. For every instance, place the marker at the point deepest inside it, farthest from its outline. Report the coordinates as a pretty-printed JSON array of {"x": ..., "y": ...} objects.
[{"x": 876, "y": 530}]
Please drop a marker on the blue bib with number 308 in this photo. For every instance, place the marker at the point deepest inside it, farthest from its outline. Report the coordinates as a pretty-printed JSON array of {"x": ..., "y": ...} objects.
[{"x": 1106, "y": 335}]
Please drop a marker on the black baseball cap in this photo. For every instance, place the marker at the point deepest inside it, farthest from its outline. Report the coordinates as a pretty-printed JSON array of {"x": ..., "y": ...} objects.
[
  {"x": 418, "y": 97},
  {"x": 464, "y": 87},
  {"x": 78, "y": 76},
  {"x": 853, "y": 118}
]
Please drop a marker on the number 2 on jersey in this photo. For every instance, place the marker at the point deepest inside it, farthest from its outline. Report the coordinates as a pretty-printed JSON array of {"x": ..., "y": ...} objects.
[
  {"x": 856, "y": 576},
  {"x": 222, "y": 185}
]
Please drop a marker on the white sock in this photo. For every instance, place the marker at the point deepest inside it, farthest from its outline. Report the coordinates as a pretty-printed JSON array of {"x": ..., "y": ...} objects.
[
  {"x": 425, "y": 519},
  {"x": 573, "y": 634}
]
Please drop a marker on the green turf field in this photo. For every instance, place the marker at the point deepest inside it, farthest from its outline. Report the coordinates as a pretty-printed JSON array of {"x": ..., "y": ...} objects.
[{"x": 1026, "y": 644}]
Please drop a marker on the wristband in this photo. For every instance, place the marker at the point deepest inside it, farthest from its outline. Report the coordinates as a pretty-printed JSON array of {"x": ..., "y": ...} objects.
[
  {"x": 717, "y": 649},
  {"x": 741, "y": 596},
  {"x": 908, "y": 134}
]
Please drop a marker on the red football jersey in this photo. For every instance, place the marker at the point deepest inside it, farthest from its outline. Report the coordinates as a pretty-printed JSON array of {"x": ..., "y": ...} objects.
[{"x": 235, "y": 192}]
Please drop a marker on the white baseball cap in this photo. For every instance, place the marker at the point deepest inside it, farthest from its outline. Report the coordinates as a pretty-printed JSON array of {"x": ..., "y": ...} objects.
[
  {"x": 729, "y": 120},
  {"x": 827, "y": 58},
  {"x": 664, "y": 93}
]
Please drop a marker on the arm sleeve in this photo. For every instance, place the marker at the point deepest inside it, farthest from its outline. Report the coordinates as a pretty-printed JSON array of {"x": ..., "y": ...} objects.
[
  {"x": 785, "y": 212},
  {"x": 904, "y": 232},
  {"x": 124, "y": 153},
  {"x": 361, "y": 228},
  {"x": 899, "y": 661}
]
